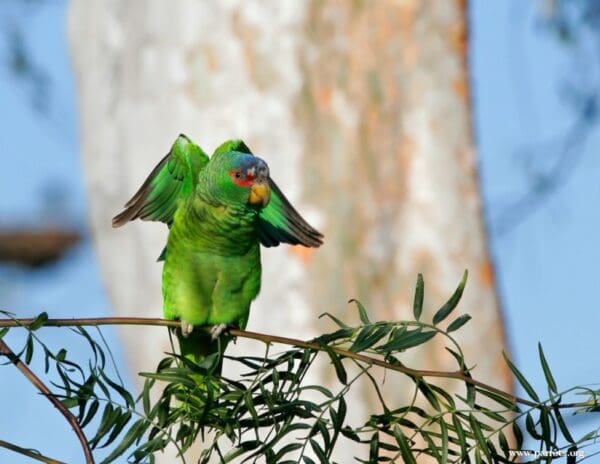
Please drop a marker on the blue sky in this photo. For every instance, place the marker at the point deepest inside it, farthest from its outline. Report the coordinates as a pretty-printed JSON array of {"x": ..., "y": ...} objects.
[{"x": 546, "y": 266}]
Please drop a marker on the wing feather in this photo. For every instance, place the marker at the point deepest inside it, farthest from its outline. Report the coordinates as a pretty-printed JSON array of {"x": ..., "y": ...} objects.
[
  {"x": 279, "y": 222},
  {"x": 171, "y": 181}
]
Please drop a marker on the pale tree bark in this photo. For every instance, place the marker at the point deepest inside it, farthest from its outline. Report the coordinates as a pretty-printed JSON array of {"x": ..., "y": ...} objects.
[{"x": 362, "y": 110}]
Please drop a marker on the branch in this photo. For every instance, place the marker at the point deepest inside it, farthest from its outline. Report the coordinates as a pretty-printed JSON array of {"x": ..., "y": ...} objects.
[
  {"x": 5, "y": 350},
  {"x": 29, "y": 453},
  {"x": 36, "y": 247},
  {"x": 266, "y": 338}
]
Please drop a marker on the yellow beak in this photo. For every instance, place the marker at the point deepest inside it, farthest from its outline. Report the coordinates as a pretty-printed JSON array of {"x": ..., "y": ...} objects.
[{"x": 260, "y": 194}]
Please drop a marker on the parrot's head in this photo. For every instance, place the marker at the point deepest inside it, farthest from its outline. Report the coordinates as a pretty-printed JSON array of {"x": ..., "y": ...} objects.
[{"x": 243, "y": 179}]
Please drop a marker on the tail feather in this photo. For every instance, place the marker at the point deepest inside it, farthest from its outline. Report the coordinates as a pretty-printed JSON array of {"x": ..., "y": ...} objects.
[{"x": 199, "y": 344}]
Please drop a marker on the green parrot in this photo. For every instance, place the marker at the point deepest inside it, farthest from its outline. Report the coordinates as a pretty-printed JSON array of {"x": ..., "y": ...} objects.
[{"x": 219, "y": 211}]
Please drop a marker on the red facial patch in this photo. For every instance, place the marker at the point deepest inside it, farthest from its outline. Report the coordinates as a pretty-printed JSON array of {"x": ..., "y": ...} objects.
[{"x": 240, "y": 179}]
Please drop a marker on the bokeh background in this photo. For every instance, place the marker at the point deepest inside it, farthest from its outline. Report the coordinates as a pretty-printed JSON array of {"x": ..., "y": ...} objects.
[{"x": 534, "y": 76}]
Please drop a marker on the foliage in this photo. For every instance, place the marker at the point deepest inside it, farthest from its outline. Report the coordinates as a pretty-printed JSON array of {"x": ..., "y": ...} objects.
[{"x": 273, "y": 414}]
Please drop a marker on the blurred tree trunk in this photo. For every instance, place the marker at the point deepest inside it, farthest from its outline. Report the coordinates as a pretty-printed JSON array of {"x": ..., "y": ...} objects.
[{"x": 362, "y": 110}]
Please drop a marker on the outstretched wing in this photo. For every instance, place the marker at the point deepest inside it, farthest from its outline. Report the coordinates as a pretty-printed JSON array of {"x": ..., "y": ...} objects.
[
  {"x": 279, "y": 222},
  {"x": 171, "y": 181}
]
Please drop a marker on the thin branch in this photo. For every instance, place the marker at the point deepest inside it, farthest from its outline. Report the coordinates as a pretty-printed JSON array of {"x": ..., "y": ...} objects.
[
  {"x": 5, "y": 350},
  {"x": 29, "y": 453},
  {"x": 266, "y": 338}
]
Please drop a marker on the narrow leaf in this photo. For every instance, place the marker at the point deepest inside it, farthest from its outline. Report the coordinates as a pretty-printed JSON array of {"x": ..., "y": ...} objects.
[
  {"x": 451, "y": 304},
  {"x": 39, "y": 321},
  {"x": 404, "y": 446},
  {"x": 362, "y": 312},
  {"x": 374, "y": 448},
  {"x": 521, "y": 378},
  {"x": 337, "y": 364},
  {"x": 419, "y": 292},
  {"x": 530, "y": 426},
  {"x": 481, "y": 442},
  {"x": 518, "y": 433},
  {"x": 460, "y": 434},
  {"x": 429, "y": 394},
  {"x": 458, "y": 323},
  {"x": 563, "y": 426},
  {"x": 339, "y": 322},
  {"x": 546, "y": 368},
  {"x": 314, "y": 444}
]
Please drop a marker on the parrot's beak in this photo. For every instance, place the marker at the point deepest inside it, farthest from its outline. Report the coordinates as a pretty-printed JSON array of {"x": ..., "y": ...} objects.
[{"x": 260, "y": 193}]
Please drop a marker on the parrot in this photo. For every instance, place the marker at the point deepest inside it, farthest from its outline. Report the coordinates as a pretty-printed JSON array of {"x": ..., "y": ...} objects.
[{"x": 218, "y": 210}]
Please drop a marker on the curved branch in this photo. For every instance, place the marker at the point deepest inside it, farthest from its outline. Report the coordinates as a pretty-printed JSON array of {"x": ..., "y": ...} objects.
[
  {"x": 266, "y": 338},
  {"x": 29, "y": 453},
  {"x": 35, "y": 380}
]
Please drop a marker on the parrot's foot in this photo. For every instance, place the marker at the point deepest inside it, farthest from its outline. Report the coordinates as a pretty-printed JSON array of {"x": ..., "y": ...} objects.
[
  {"x": 186, "y": 328},
  {"x": 217, "y": 330}
]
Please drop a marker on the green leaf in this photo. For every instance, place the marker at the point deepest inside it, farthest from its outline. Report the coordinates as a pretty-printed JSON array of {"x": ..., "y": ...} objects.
[
  {"x": 118, "y": 426},
  {"x": 374, "y": 448},
  {"x": 429, "y": 394},
  {"x": 39, "y": 321},
  {"x": 431, "y": 446},
  {"x": 121, "y": 390},
  {"x": 135, "y": 432},
  {"x": 61, "y": 355},
  {"x": 546, "y": 368},
  {"x": 458, "y": 323},
  {"x": 530, "y": 426},
  {"x": 445, "y": 440},
  {"x": 451, "y": 405},
  {"x": 314, "y": 444},
  {"x": 106, "y": 424},
  {"x": 405, "y": 450},
  {"x": 337, "y": 417},
  {"x": 460, "y": 434},
  {"x": 251, "y": 409},
  {"x": 521, "y": 378},
  {"x": 471, "y": 391},
  {"x": 70, "y": 402},
  {"x": 418, "y": 301},
  {"x": 362, "y": 312},
  {"x": 518, "y": 433},
  {"x": 369, "y": 336},
  {"x": 4, "y": 331},
  {"x": 547, "y": 432},
  {"x": 481, "y": 442},
  {"x": 503, "y": 443},
  {"x": 91, "y": 412},
  {"x": 451, "y": 304},
  {"x": 29, "y": 349},
  {"x": 337, "y": 364},
  {"x": 339, "y": 334},
  {"x": 563, "y": 426},
  {"x": 146, "y": 404},
  {"x": 339, "y": 322},
  {"x": 458, "y": 357},
  {"x": 289, "y": 448},
  {"x": 505, "y": 401},
  {"x": 403, "y": 340}
]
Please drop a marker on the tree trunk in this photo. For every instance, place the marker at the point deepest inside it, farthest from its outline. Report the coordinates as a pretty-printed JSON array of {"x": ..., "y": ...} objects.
[{"x": 361, "y": 109}]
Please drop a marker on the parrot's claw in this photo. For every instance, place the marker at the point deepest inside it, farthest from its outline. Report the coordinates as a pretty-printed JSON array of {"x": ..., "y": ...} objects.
[
  {"x": 217, "y": 330},
  {"x": 186, "y": 328}
]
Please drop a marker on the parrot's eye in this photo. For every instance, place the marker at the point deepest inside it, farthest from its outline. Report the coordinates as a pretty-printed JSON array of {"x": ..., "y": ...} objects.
[{"x": 238, "y": 175}]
